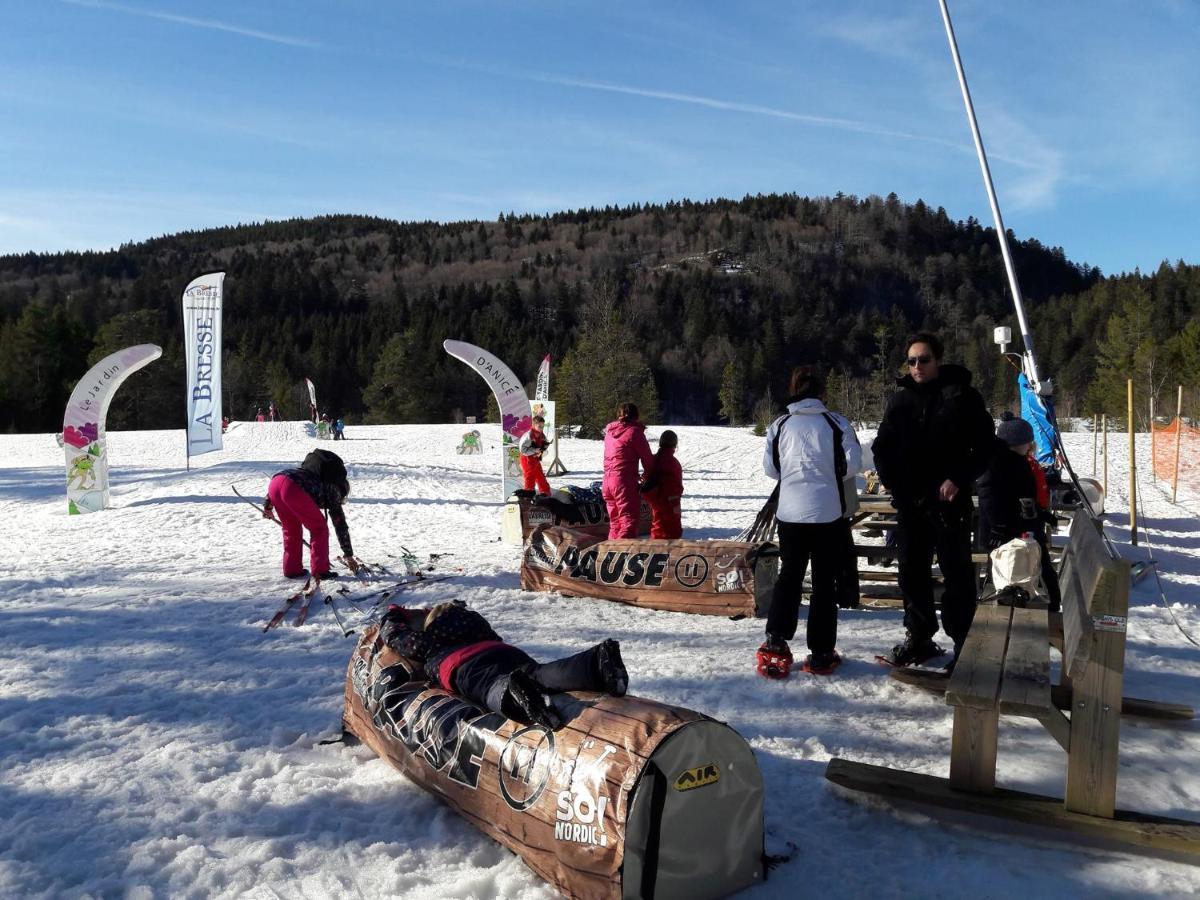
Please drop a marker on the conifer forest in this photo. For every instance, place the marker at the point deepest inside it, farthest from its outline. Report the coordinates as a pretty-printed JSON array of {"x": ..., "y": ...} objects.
[{"x": 697, "y": 311}]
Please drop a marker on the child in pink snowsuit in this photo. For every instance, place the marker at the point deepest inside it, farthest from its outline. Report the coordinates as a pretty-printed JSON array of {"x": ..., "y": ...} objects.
[
  {"x": 300, "y": 497},
  {"x": 625, "y": 445}
]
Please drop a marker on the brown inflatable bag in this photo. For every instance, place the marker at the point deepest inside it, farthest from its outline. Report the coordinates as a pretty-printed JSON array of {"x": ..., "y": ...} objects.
[{"x": 631, "y": 798}]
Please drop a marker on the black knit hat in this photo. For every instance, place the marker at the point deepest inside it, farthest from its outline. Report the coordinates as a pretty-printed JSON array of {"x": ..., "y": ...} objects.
[{"x": 1014, "y": 431}]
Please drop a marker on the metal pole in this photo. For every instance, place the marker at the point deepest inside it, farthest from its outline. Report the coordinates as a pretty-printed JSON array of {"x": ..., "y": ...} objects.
[
  {"x": 1132, "y": 465},
  {"x": 1030, "y": 363},
  {"x": 1104, "y": 438},
  {"x": 1178, "y": 436},
  {"x": 1153, "y": 439}
]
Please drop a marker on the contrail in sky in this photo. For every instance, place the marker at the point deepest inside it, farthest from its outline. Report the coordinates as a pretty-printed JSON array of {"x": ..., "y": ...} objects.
[
  {"x": 195, "y": 23},
  {"x": 751, "y": 108}
]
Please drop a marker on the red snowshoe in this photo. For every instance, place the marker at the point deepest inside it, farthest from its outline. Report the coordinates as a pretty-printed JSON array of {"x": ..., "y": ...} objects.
[{"x": 774, "y": 659}]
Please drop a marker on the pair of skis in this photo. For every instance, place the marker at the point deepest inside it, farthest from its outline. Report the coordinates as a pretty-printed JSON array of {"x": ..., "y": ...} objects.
[
  {"x": 313, "y": 585},
  {"x": 303, "y": 597}
]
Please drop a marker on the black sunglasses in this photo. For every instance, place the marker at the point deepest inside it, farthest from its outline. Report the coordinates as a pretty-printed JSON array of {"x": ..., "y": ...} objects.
[{"x": 923, "y": 359}]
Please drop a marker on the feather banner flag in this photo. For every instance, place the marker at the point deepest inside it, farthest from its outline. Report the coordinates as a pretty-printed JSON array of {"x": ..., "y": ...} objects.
[
  {"x": 202, "y": 300},
  {"x": 513, "y": 401},
  {"x": 542, "y": 390}
]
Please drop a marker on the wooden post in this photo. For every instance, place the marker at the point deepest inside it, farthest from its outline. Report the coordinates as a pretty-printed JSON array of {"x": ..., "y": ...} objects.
[
  {"x": 1095, "y": 439},
  {"x": 1132, "y": 464},
  {"x": 1096, "y": 701},
  {"x": 1104, "y": 432},
  {"x": 1178, "y": 437}
]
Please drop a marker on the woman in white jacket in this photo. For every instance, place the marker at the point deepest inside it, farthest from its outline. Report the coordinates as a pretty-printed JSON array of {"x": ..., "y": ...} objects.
[{"x": 811, "y": 452}]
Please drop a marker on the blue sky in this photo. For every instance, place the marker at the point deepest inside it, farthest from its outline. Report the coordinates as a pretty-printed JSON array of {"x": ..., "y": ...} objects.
[{"x": 121, "y": 121}]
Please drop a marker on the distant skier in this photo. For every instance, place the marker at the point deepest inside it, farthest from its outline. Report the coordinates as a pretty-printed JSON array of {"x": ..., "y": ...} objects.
[
  {"x": 663, "y": 490},
  {"x": 338, "y": 434},
  {"x": 625, "y": 445},
  {"x": 258, "y": 414},
  {"x": 299, "y": 496},
  {"x": 456, "y": 648},
  {"x": 272, "y": 413},
  {"x": 533, "y": 444}
]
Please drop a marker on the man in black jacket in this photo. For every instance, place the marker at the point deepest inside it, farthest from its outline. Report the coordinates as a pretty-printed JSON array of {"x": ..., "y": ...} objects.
[{"x": 935, "y": 439}]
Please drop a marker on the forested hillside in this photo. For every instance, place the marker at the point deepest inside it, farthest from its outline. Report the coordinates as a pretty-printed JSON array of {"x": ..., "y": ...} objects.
[{"x": 699, "y": 309}]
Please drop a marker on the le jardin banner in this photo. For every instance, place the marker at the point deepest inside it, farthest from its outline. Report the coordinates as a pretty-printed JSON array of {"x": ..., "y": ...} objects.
[{"x": 83, "y": 438}]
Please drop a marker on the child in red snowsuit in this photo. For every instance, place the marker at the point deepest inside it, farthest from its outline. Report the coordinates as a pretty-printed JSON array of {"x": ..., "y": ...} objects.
[
  {"x": 664, "y": 489},
  {"x": 532, "y": 446},
  {"x": 625, "y": 445}
]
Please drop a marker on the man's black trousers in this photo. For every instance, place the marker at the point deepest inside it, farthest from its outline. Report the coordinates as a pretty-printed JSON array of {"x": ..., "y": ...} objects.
[
  {"x": 944, "y": 530},
  {"x": 824, "y": 543}
]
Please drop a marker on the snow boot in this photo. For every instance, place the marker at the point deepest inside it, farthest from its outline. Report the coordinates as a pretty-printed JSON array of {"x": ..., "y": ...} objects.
[
  {"x": 611, "y": 669},
  {"x": 913, "y": 651},
  {"x": 821, "y": 663},
  {"x": 774, "y": 659},
  {"x": 525, "y": 702}
]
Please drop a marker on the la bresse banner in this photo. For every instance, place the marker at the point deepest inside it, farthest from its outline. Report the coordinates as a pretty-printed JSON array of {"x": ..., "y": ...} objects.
[
  {"x": 513, "y": 401},
  {"x": 202, "y": 345},
  {"x": 83, "y": 426},
  {"x": 542, "y": 390}
]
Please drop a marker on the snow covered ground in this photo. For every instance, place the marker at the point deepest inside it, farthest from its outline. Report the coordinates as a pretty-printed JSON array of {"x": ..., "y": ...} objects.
[{"x": 155, "y": 743}]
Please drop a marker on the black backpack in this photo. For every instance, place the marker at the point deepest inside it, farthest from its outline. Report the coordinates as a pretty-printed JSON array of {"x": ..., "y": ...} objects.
[{"x": 328, "y": 466}]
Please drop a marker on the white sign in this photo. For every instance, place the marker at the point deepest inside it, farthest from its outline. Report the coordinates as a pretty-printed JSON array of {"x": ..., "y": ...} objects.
[
  {"x": 83, "y": 426},
  {"x": 202, "y": 346},
  {"x": 542, "y": 389},
  {"x": 515, "y": 416}
]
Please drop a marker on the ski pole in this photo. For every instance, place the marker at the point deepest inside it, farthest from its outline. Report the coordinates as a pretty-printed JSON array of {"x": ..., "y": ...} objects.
[{"x": 337, "y": 615}]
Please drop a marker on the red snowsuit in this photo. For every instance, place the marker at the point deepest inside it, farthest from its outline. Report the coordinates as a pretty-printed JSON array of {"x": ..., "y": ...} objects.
[
  {"x": 625, "y": 445},
  {"x": 663, "y": 494},
  {"x": 532, "y": 445}
]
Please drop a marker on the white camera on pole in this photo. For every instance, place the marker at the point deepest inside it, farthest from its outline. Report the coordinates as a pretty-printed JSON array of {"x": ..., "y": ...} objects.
[{"x": 1003, "y": 337}]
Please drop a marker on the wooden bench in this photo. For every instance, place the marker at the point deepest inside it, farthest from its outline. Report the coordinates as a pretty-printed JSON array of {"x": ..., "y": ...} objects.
[{"x": 1004, "y": 669}]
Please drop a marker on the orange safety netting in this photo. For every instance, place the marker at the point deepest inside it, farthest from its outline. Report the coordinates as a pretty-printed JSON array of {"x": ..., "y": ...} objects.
[{"x": 1166, "y": 439}]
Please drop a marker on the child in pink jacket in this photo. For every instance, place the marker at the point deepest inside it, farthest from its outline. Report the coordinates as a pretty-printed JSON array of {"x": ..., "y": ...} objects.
[{"x": 625, "y": 445}]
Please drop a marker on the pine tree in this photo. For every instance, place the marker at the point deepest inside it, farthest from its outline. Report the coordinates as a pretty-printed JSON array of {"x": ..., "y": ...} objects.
[{"x": 733, "y": 392}]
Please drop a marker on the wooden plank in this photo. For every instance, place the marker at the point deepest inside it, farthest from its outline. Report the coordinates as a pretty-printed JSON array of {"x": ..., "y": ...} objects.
[
  {"x": 935, "y": 682},
  {"x": 925, "y": 679},
  {"x": 976, "y": 678},
  {"x": 1092, "y": 555},
  {"x": 1077, "y": 624},
  {"x": 879, "y": 524},
  {"x": 1055, "y": 625},
  {"x": 867, "y": 602},
  {"x": 1156, "y": 833},
  {"x": 973, "y": 749},
  {"x": 1059, "y": 727},
  {"x": 878, "y": 575},
  {"x": 1096, "y": 704},
  {"x": 1025, "y": 688}
]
